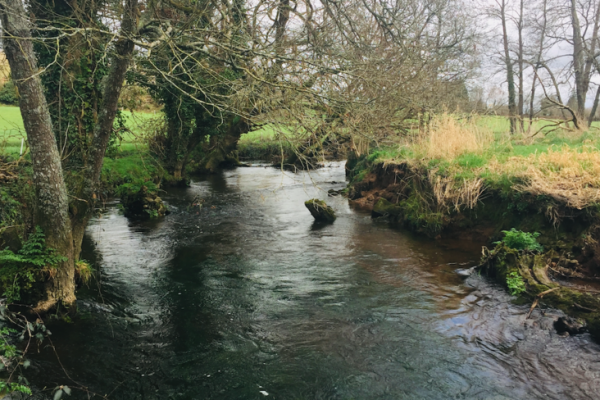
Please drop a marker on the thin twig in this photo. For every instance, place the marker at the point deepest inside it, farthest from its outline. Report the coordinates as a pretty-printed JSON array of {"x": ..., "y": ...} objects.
[{"x": 537, "y": 299}]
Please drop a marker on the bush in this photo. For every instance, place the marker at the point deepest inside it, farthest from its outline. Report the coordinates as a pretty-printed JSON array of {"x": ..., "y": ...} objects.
[
  {"x": 8, "y": 94},
  {"x": 519, "y": 240}
]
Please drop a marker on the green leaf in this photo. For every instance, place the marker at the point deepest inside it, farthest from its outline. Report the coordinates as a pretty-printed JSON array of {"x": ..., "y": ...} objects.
[
  {"x": 67, "y": 390},
  {"x": 58, "y": 394}
]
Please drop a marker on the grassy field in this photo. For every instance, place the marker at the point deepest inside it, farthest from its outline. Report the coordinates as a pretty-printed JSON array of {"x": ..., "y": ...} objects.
[{"x": 12, "y": 131}]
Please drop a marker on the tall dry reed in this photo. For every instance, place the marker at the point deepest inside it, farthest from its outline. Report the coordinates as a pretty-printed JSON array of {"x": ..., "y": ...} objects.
[{"x": 448, "y": 137}]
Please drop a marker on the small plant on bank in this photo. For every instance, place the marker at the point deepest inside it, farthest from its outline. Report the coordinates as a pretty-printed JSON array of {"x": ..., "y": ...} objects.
[
  {"x": 515, "y": 283},
  {"x": 519, "y": 240},
  {"x": 19, "y": 269},
  {"x": 83, "y": 271}
]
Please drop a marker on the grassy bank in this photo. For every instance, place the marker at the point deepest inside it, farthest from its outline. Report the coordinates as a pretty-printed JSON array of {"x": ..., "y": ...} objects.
[
  {"x": 261, "y": 144},
  {"x": 461, "y": 179},
  {"x": 459, "y": 156}
]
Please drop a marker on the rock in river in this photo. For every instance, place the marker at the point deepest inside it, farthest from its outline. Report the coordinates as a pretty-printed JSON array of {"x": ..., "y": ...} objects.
[
  {"x": 320, "y": 210},
  {"x": 568, "y": 324}
]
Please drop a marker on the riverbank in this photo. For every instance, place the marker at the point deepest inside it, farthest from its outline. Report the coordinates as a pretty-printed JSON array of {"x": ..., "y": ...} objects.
[{"x": 478, "y": 188}]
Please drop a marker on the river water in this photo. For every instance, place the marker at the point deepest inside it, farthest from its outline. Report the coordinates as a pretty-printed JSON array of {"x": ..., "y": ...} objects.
[{"x": 248, "y": 298}]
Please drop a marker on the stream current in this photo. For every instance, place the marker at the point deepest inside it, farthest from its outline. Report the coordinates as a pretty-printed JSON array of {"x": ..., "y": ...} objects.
[{"x": 247, "y": 298}]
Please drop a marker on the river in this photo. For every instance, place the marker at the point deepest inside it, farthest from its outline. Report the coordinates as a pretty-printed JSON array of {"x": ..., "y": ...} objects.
[{"x": 247, "y": 298}]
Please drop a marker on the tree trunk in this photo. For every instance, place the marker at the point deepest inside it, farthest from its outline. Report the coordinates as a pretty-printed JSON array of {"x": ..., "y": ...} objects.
[
  {"x": 594, "y": 107},
  {"x": 578, "y": 62},
  {"x": 510, "y": 76},
  {"x": 52, "y": 205},
  {"x": 538, "y": 60},
  {"x": 283, "y": 16},
  {"x": 521, "y": 69},
  {"x": 81, "y": 208},
  {"x": 590, "y": 51},
  {"x": 224, "y": 146},
  {"x": 112, "y": 90}
]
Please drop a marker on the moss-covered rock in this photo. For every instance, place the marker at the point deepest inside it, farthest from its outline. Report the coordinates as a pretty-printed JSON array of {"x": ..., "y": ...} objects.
[
  {"x": 320, "y": 210},
  {"x": 141, "y": 200}
]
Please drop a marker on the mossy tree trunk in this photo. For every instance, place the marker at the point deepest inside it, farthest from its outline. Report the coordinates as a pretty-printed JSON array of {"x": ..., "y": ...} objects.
[
  {"x": 82, "y": 207},
  {"x": 52, "y": 204},
  {"x": 224, "y": 145},
  {"x": 63, "y": 223}
]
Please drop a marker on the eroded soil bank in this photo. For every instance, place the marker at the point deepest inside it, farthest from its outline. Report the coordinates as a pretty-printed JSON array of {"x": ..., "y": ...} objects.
[{"x": 563, "y": 275}]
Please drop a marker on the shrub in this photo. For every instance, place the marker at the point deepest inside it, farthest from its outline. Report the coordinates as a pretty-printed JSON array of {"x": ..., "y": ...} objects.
[
  {"x": 520, "y": 240},
  {"x": 8, "y": 94},
  {"x": 140, "y": 199}
]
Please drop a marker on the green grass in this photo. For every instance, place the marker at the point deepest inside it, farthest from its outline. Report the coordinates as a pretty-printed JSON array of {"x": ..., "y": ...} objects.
[
  {"x": 501, "y": 149},
  {"x": 500, "y": 125},
  {"x": 131, "y": 167},
  {"x": 11, "y": 122},
  {"x": 12, "y": 130},
  {"x": 264, "y": 134},
  {"x": 265, "y": 142},
  {"x": 132, "y": 161}
]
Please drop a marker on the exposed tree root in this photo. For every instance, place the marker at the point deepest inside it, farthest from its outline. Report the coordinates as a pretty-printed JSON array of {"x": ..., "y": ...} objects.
[{"x": 537, "y": 299}]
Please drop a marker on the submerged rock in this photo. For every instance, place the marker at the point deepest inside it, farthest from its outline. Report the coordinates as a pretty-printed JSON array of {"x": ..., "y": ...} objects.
[
  {"x": 320, "y": 210},
  {"x": 465, "y": 272}
]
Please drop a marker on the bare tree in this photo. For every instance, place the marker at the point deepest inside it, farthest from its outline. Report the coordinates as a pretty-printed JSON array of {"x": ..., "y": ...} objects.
[
  {"x": 521, "y": 65},
  {"x": 584, "y": 47},
  {"x": 508, "y": 63}
]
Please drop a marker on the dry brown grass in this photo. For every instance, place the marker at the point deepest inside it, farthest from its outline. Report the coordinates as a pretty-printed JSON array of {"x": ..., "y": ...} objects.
[
  {"x": 567, "y": 175},
  {"x": 450, "y": 195},
  {"x": 449, "y": 138}
]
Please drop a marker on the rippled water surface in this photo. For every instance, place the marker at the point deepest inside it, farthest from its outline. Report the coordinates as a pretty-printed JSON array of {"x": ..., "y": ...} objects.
[{"x": 248, "y": 298}]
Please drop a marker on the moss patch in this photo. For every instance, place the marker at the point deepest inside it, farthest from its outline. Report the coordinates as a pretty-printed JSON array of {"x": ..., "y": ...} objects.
[{"x": 320, "y": 210}]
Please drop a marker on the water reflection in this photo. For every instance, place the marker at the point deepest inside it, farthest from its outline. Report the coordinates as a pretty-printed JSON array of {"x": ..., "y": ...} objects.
[{"x": 247, "y": 295}]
